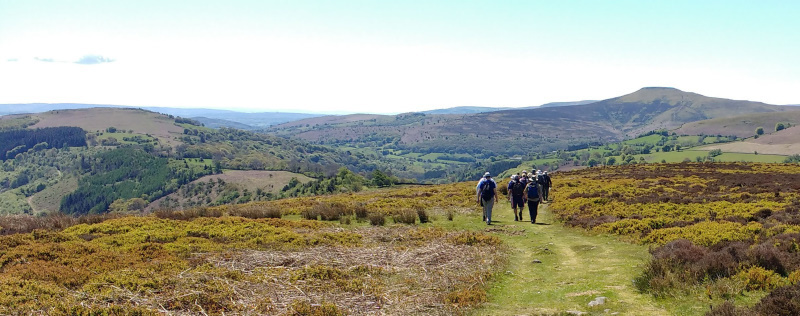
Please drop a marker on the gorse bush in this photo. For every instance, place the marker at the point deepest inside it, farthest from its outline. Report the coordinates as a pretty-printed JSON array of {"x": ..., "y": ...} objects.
[
  {"x": 249, "y": 211},
  {"x": 423, "y": 216},
  {"x": 724, "y": 227},
  {"x": 377, "y": 219},
  {"x": 405, "y": 216}
]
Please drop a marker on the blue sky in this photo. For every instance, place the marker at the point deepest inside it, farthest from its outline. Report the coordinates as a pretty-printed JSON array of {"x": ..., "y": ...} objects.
[{"x": 392, "y": 56}]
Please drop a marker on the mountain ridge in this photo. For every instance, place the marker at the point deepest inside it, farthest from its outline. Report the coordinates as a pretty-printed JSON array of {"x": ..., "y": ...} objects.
[{"x": 525, "y": 130}]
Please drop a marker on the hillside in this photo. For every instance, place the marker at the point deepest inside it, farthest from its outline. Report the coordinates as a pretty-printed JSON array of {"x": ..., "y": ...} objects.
[
  {"x": 97, "y": 120},
  {"x": 785, "y": 142},
  {"x": 86, "y": 160},
  {"x": 231, "y": 186},
  {"x": 513, "y": 132},
  {"x": 465, "y": 110},
  {"x": 741, "y": 125}
]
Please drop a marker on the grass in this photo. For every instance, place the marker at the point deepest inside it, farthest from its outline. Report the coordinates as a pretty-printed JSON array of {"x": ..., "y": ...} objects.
[
  {"x": 49, "y": 199},
  {"x": 679, "y": 156},
  {"x": 120, "y": 137},
  {"x": 576, "y": 268}
]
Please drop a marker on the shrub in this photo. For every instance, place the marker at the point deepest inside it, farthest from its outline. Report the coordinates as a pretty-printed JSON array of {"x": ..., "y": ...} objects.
[
  {"x": 782, "y": 301},
  {"x": 423, "y": 216},
  {"x": 405, "y": 216},
  {"x": 255, "y": 212},
  {"x": 185, "y": 215},
  {"x": 770, "y": 258},
  {"x": 377, "y": 219},
  {"x": 360, "y": 211},
  {"x": 450, "y": 215},
  {"x": 303, "y": 308},
  {"x": 474, "y": 238},
  {"x": 466, "y": 297},
  {"x": 726, "y": 309},
  {"x": 310, "y": 214},
  {"x": 345, "y": 220},
  {"x": 330, "y": 211},
  {"x": 758, "y": 278}
]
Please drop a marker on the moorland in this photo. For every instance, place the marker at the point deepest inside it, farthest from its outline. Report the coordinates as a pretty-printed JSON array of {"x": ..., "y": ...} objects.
[{"x": 665, "y": 202}]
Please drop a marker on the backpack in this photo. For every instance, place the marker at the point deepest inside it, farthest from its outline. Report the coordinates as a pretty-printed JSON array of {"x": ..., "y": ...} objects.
[
  {"x": 487, "y": 189},
  {"x": 533, "y": 191},
  {"x": 518, "y": 189}
]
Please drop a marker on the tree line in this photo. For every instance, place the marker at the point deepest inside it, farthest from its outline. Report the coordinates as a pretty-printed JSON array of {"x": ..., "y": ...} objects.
[{"x": 13, "y": 142}]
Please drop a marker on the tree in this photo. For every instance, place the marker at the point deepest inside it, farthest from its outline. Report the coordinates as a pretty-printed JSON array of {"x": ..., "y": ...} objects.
[
  {"x": 592, "y": 162},
  {"x": 611, "y": 161},
  {"x": 779, "y": 126},
  {"x": 760, "y": 131},
  {"x": 666, "y": 148},
  {"x": 380, "y": 179}
]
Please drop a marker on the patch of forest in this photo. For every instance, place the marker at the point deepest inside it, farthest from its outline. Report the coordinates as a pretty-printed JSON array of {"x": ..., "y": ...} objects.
[
  {"x": 126, "y": 173},
  {"x": 16, "y": 141}
]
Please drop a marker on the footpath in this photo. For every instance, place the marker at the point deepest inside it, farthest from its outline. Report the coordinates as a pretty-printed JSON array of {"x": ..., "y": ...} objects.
[{"x": 560, "y": 270}]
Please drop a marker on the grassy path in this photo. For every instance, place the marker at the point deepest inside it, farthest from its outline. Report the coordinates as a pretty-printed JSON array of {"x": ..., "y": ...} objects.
[{"x": 575, "y": 269}]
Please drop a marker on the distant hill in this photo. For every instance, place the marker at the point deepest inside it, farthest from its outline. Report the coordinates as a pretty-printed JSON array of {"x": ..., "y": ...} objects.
[
  {"x": 225, "y": 118},
  {"x": 515, "y": 131},
  {"x": 217, "y": 123},
  {"x": 254, "y": 120},
  {"x": 668, "y": 108},
  {"x": 484, "y": 109},
  {"x": 466, "y": 110},
  {"x": 552, "y": 104},
  {"x": 30, "y": 108}
]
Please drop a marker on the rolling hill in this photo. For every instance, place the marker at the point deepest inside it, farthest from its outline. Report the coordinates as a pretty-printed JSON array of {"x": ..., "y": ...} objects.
[
  {"x": 82, "y": 160},
  {"x": 220, "y": 118},
  {"x": 465, "y": 110},
  {"x": 521, "y": 131}
]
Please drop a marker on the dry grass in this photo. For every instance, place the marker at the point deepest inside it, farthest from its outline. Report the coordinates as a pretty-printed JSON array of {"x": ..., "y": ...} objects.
[
  {"x": 98, "y": 119},
  {"x": 399, "y": 271}
]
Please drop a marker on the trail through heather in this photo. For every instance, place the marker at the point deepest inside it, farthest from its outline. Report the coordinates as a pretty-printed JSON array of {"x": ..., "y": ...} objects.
[{"x": 555, "y": 269}]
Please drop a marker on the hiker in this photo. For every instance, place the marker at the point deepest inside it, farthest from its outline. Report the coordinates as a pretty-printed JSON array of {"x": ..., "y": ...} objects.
[
  {"x": 546, "y": 186},
  {"x": 487, "y": 196},
  {"x": 516, "y": 192},
  {"x": 533, "y": 194}
]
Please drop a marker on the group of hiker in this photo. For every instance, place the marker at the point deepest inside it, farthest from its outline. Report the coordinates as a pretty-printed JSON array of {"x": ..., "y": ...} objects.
[{"x": 523, "y": 189}]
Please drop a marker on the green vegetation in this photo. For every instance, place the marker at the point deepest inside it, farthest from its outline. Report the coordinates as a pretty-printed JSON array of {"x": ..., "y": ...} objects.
[
  {"x": 125, "y": 173},
  {"x": 16, "y": 122},
  {"x": 241, "y": 260},
  {"x": 723, "y": 231}
]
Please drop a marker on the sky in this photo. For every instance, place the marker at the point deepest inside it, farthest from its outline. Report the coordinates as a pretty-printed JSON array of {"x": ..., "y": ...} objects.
[{"x": 392, "y": 56}]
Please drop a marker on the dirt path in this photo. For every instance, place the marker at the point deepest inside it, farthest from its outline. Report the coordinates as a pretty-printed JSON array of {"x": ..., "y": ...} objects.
[{"x": 575, "y": 268}]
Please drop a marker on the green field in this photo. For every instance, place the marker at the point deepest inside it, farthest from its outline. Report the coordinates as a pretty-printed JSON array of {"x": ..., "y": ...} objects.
[
  {"x": 121, "y": 136},
  {"x": 679, "y": 156}
]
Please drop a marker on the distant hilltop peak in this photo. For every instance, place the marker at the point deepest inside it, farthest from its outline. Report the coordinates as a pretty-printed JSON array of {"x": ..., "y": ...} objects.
[
  {"x": 650, "y": 94},
  {"x": 660, "y": 88}
]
